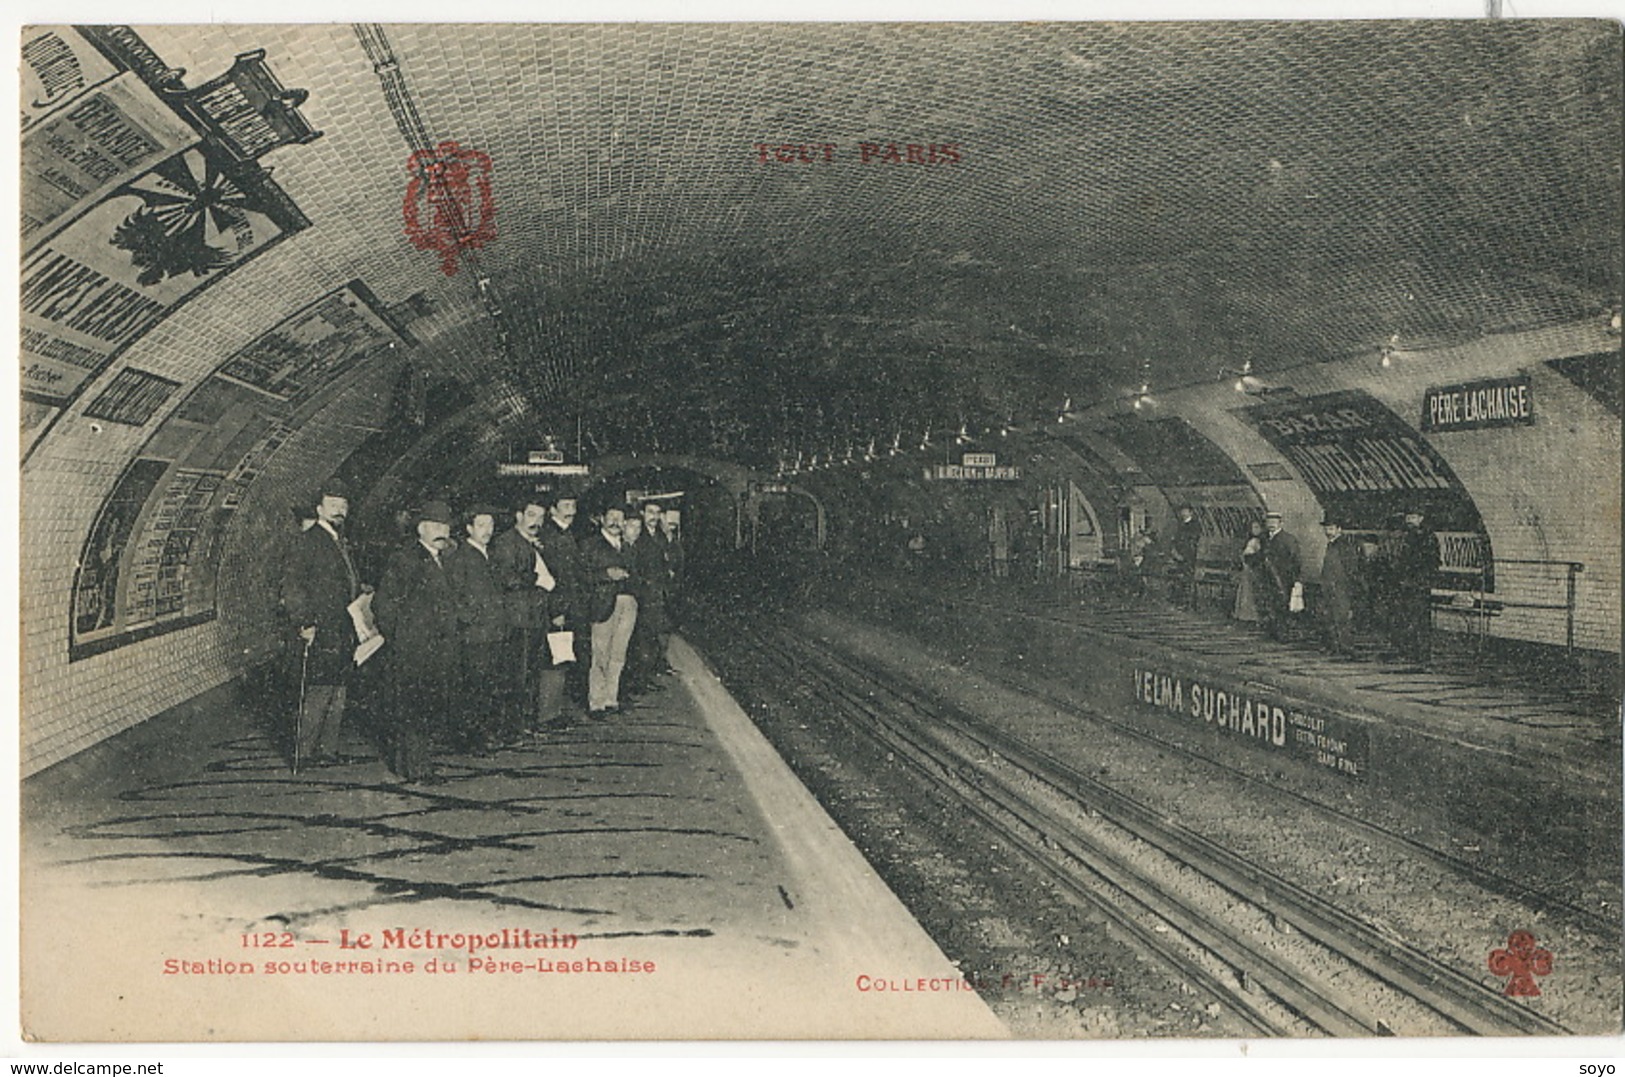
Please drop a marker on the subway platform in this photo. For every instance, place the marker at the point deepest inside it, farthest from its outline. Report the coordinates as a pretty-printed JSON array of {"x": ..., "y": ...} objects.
[
  {"x": 1516, "y": 765},
  {"x": 659, "y": 876}
]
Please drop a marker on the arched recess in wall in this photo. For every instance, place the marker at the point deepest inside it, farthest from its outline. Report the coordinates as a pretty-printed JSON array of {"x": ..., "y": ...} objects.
[
  {"x": 1191, "y": 470},
  {"x": 1089, "y": 489},
  {"x": 1108, "y": 492},
  {"x": 1367, "y": 467}
]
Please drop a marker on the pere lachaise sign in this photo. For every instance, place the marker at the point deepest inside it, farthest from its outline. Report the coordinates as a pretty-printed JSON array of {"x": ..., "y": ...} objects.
[{"x": 1479, "y": 404}]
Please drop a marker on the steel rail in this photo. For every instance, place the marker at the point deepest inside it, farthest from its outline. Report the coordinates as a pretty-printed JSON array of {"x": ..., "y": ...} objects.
[
  {"x": 1541, "y": 900},
  {"x": 1087, "y": 878},
  {"x": 1464, "y": 1001}
]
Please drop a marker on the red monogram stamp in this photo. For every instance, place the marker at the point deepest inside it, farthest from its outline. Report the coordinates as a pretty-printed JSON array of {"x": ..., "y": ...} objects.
[
  {"x": 449, "y": 208},
  {"x": 1522, "y": 960}
]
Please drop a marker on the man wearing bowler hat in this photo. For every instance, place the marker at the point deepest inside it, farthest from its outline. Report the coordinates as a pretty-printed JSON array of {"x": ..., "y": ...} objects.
[
  {"x": 1282, "y": 569},
  {"x": 416, "y": 610},
  {"x": 319, "y": 582},
  {"x": 1339, "y": 579}
]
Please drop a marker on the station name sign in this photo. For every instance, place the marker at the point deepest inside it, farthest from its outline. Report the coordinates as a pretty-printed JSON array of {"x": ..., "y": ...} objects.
[
  {"x": 1479, "y": 404},
  {"x": 973, "y": 466},
  {"x": 1326, "y": 741},
  {"x": 520, "y": 471}
]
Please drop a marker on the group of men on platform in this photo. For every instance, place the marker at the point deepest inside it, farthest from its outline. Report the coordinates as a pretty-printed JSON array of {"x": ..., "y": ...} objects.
[
  {"x": 1396, "y": 588},
  {"x": 486, "y": 640}
]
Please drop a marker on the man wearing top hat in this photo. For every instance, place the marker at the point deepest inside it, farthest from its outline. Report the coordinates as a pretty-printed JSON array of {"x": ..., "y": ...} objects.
[
  {"x": 319, "y": 582},
  {"x": 1282, "y": 569},
  {"x": 416, "y": 610},
  {"x": 1339, "y": 581}
]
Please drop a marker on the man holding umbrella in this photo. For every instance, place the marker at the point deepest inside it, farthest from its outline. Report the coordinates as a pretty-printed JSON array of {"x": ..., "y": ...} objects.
[{"x": 319, "y": 582}]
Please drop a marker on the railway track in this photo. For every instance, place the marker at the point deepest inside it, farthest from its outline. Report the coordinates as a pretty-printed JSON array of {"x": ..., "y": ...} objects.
[
  {"x": 1285, "y": 961},
  {"x": 1605, "y": 927}
]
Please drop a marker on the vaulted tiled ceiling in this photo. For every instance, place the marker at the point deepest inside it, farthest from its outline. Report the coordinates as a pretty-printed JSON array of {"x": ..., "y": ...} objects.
[{"x": 1130, "y": 201}]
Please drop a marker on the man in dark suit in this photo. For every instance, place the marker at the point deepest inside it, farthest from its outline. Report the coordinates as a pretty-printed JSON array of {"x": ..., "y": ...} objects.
[
  {"x": 416, "y": 610},
  {"x": 484, "y": 632},
  {"x": 1415, "y": 564},
  {"x": 1187, "y": 541},
  {"x": 1283, "y": 567},
  {"x": 572, "y": 599},
  {"x": 534, "y": 686},
  {"x": 319, "y": 582},
  {"x": 1339, "y": 580},
  {"x": 654, "y": 553}
]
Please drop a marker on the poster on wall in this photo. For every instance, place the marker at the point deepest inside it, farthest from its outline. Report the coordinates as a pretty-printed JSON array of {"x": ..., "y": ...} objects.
[
  {"x": 210, "y": 451},
  {"x": 96, "y": 585},
  {"x": 1368, "y": 467},
  {"x": 131, "y": 206}
]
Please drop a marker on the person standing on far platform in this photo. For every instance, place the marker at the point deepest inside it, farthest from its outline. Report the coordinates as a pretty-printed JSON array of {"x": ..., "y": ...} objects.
[
  {"x": 416, "y": 610},
  {"x": 319, "y": 581},
  {"x": 1249, "y": 581},
  {"x": 1339, "y": 580},
  {"x": 1187, "y": 540},
  {"x": 1415, "y": 563},
  {"x": 1282, "y": 569}
]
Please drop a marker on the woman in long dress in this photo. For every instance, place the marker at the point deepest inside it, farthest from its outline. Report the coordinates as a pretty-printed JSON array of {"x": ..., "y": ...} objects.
[{"x": 1251, "y": 578}]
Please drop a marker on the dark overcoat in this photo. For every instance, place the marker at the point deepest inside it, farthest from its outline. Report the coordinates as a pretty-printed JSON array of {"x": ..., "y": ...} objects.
[
  {"x": 483, "y": 617},
  {"x": 317, "y": 589},
  {"x": 416, "y": 610},
  {"x": 513, "y": 565}
]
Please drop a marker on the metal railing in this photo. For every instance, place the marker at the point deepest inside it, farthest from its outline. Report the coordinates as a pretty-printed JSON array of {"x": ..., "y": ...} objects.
[{"x": 1549, "y": 585}]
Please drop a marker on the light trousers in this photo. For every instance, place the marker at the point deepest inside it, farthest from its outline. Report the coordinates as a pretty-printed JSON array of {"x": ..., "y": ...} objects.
[{"x": 609, "y": 640}]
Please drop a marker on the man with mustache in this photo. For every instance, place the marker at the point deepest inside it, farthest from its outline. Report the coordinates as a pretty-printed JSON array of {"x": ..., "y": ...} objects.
[
  {"x": 318, "y": 584},
  {"x": 533, "y": 687}
]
